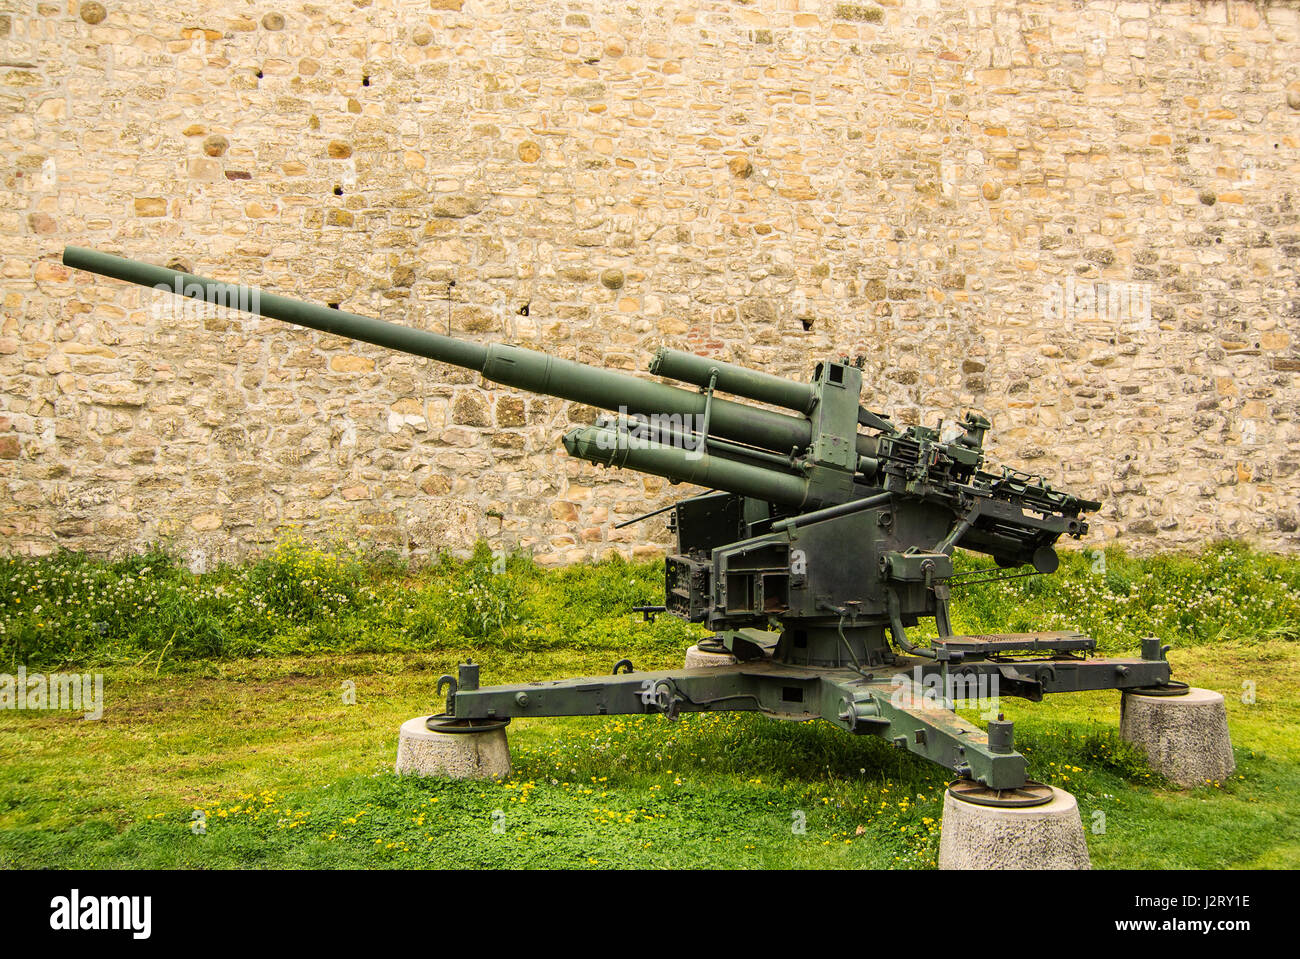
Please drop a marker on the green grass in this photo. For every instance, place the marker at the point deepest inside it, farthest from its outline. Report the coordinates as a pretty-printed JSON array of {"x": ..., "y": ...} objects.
[
  {"x": 1225, "y": 592},
  {"x": 288, "y": 774},
  {"x": 68, "y": 610}
]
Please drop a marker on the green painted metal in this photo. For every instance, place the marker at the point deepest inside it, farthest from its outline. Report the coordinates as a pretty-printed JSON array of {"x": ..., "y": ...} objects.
[
  {"x": 729, "y": 378},
  {"x": 500, "y": 363},
  {"x": 828, "y": 535},
  {"x": 609, "y": 447},
  {"x": 249, "y": 299}
]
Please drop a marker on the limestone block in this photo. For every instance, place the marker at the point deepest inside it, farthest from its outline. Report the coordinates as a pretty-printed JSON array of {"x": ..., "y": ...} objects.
[
  {"x": 1184, "y": 737},
  {"x": 697, "y": 658},
  {"x": 477, "y": 755},
  {"x": 1049, "y": 836}
]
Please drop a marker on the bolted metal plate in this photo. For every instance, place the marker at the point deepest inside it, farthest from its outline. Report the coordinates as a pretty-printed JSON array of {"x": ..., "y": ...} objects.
[
  {"x": 1030, "y": 794},
  {"x": 450, "y": 724},
  {"x": 1060, "y": 641}
]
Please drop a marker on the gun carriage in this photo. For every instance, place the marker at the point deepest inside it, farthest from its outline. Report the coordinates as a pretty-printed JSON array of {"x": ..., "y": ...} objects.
[{"x": 828, "y": 532}]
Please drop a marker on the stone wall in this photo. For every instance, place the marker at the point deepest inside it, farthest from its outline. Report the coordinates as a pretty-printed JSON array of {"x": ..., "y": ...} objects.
[{"x": 1079, "y": 217}]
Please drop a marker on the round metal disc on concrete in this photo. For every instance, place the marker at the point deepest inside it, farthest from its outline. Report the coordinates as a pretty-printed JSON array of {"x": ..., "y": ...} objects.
[
  {"x": 1032, "y": 793},
  {"x": 1184, "y": 737},
  {"x": 1171, "y": 688},
  {"x": 1044, "y": 836},
  {"x": 459, "y": 755},
  {"x": 696, "y": 658}
]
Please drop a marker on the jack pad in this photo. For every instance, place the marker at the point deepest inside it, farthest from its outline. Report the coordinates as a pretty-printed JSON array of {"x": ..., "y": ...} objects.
[{"x": 1030, "y": 794}]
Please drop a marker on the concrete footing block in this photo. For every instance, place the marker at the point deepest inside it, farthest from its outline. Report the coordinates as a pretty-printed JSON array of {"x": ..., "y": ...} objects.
[
  {"x": 465, "y": 755},
  {"x": 696, "y": 658},
  {"x": 1048, "y": 836},
  {"x": 1184, "y": 737}
]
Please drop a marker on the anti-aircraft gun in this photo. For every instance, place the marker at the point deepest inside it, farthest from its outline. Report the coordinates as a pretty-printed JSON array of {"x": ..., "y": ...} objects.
[{"x": 828, "y": 534}]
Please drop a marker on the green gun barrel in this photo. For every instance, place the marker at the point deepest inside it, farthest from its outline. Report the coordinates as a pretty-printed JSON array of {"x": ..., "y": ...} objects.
[
  {"x": 612, "y": 447},
  {"x": 500, "y": 363},
  {"x": 730, "y": 378}
]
